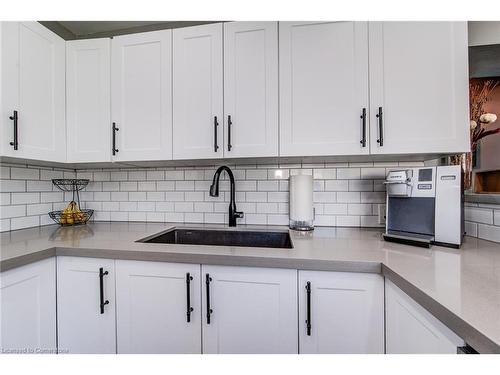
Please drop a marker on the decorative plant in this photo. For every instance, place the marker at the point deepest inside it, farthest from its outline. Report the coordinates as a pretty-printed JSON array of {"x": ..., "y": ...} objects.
[{"x": 479, "y": 91}]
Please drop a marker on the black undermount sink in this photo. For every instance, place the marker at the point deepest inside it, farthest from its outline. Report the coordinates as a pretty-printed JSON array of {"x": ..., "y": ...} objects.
[{"x": 220, "y": 237}]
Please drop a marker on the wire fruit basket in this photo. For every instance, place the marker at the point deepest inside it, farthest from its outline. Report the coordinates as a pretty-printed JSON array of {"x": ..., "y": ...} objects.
[{"x": 72, "y": 214}]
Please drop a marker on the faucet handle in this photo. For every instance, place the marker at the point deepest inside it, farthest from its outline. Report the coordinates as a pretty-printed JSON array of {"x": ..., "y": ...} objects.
[{"x": 239, "y": 214}]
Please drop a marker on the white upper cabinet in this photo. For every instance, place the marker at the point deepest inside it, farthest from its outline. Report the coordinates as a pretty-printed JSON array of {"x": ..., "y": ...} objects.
[
  {"x": 198, "y": 92},
  {"x": 251, "y": 89},
  {"x": 249, "y": 310},
  {"x": 33, "y": 85},
  {"x": 323, "y": 88},
  {"x": 341, "y": 313},
  {"x": 141, "y": 104},
  {"x": 86, "y": 305},
  {"x": 88, "y": 100},
  {"x": 419, "y": 80},
  {"x": 28, "y": 313},
  {"x": 158, "y": 307}
]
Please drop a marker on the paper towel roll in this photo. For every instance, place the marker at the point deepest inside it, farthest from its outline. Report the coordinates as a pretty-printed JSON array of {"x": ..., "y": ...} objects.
[{"x": 301, "y": 202}]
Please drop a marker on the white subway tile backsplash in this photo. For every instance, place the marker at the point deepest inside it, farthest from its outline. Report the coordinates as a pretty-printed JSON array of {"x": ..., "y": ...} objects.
[
  {"x": 325, "y": 174},
  {"x": 24, "y": 222},
  {"x": 165, "y": 185},
  {"x": 348, "y": 221},
  {"x": 55, "y": 196},
  {"x": 373, "y": 173},
  {"x": 119, "y": 176},
  {"x": 324, "y": 197},
  {"x": 256, "y": 174},
  {"x": 256, "y": 196},
  {"x": 335, "y": 209},
  {"x": 489, "y": 232},
  {"x": 184, "y": 185},
  {"x": 137, "y": 175},
  {"x": 471, "y": 229},
  {"x": 348, "y": 173},
  {"x": 25, "y": 198},
  {"x": 146, "y": 206},
  {"x": 348, "y": 196},
  {"x": 128, "y": 186},
  {"x": 337, "y": 185},
  {"x": 155, "y": 196},
  {"x": 267, "y": 208},
  {"x": 4, "y": 199},
  {"x": 272, "y": 185},
  {"x": 12, "y": 211},
  {"x": 4, "y": 172},
  {"x": 39, "y": 186},
  {"x": 12, "y": 185},
  {"x": 111, "y": 186},
  {"x": 479, "y": 215},
  {"x": 24, "y": 173},
  {"x": 155, "y": 175},
  {"x": 345, "y": 194},
  {"x": 360, "y": 185}
]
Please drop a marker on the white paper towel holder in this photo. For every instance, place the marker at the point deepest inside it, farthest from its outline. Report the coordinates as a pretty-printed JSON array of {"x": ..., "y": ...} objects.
[{"x": 301, "y": 203}]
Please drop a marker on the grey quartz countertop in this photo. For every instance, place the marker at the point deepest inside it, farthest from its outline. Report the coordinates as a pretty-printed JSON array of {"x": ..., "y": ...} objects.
[{"x": 460, "y": 287}]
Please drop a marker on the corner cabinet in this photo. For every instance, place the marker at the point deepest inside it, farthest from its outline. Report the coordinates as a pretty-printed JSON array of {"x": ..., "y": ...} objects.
[
  {"x": 197, "y": 91},
  {"x": 28, "y": 313},
  {"x": 32, "y": 92},
  {"x": 88, "y": 100},
  {"x": 86, "y": 305},
  {"x": 410, "y": 329},
  {"x": 323, "y": 88},
  {"x": 419, "y": 96},
  {"x": 249, "y": 310},
  {"x": 341, "y": 313},
  {"x": 141, "y": 96},
  {"x": 158, "y": 307}
]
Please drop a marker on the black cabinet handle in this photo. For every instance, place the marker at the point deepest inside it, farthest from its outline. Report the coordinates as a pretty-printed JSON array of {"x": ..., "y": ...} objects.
[
  {"x": 15, "y": 142},
  {"x": 189, "y": 309},
  {"x": 229, "y": 124},
  {"x": 209, "y": 310},
  {"x": 103, "y": 303},
  {"x": 216, "y": 125},
  {"x": 308, "y": 321},
  {"x": 115, "y": 129},
  {"x": 380, "y": 139},
  {"x": 363, "y": 129}
]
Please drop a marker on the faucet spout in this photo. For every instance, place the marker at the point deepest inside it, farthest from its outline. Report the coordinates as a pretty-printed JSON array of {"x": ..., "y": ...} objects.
[{"x": 214, "y": 192}]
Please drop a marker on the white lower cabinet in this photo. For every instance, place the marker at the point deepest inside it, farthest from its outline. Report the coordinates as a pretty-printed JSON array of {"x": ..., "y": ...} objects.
[
  {"x": 28, "y": 313},
  {"x": 158, "y": 307},
  {"x": 86, "y": 305},
  {"x": 341, "y": 312},
  {"x": 410, "y": 329},
  {"x": 249, "y": 310}
]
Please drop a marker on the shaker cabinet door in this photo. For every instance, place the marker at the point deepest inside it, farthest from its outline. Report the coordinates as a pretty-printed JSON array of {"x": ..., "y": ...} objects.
[
  {"x": 419, "y": 84},
  {"x": 249, "y": 310},
  {"x": 32, "y": 85},
  {"x": 28, "y": 313},
  {"x": 88, "y": 100},
  {"x": 141, "y": 96},
  {"x": 158, "y": 307},
  {"x": 86, "y": 305},
  {"x": 341, "y": 313},
  {"x": 198, "y": 92},
  {"x": 410, "y": 329},
  {"x": 251, "y": 89},
  {"x": 323, "y": 88}
]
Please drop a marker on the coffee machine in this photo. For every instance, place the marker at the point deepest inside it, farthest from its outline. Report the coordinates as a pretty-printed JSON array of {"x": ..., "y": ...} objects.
[{"x": 425, "y": 206}]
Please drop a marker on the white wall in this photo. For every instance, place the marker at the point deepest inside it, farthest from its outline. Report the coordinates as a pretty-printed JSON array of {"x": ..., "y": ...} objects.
[{"x": 484, "y": 32}]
